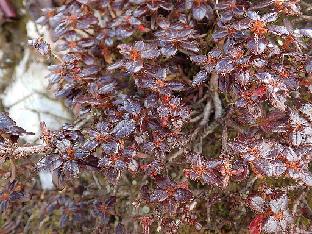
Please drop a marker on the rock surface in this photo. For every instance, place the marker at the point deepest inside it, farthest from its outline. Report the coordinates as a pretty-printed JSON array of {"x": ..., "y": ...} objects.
[{"x": 28, "y": 100}]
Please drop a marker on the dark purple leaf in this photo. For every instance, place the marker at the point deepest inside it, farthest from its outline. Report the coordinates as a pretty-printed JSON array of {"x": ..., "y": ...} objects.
[
  {"x": 199, "y": 12},
  {"x": 306, "y": 32},
  {"x": 3, "y": 206},
  {"x": 308, "y": 67},
  {"x": 219, "y": 35},
  {"x": 116, "y": 65},
  {"x": 158, "y": 196},
  {"x": 151, "y": 53},
  {"x": 224, "y": 66},
  {"x": 169, "y": 50},
  {"x": 200, "y": 77},
  {"x": 105, "y": 162},
  {"x": 271, "y": 225},
  {"x": 132, "y": 107},
  {"x": 120, "y": 165},
  {"x": 90, "y": 145},
  {"x": 269, "y": 17},
  {"x": 71, "y": 168},
  {"x": 7, "y": 125},
  {"x": 122, "y": 33},
  {"x": 60, "y": 29},
  {"x": 278, "y": 30},
  {"x": 166, "y": 5},
  {"x": 134, "y": 66},
  {"x": 106, "y": 89},
  {"x": 64, "y": 220},
  {"x": 15, "y": 196},
  {"x": 183, "y": 195},
  {"x": 200, "y": 59},
  {"x": 253, "y": 15},
  {"x": 124, "y": 128},
  {"x": 226, "y": 17},
  {"x": 40, "y": 45},
  {"x": 257, "y": 203},
  {"x": 110, "y": 147},
  {"x": 81, "y": 154},
  {"x": 190, "y": 46},
  {"x": 86, "y": 22},
  {"x": 92, "y": 70},
  {"x": 175, "y": 86},
  {"x": 212, "y": 178},
  {"x": 49, "y": 163},
  {"x": 257, "y": 45}
]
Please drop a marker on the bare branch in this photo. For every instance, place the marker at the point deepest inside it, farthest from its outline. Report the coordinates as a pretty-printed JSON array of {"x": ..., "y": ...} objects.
[
  {"x": 215, "y": 97},
  {"x": 23, "y": 151},
  {"x": 207, "y": 112}
]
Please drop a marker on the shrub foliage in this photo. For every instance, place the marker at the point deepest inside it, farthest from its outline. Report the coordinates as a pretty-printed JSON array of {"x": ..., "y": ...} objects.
[{"x": 188, "y": 113}]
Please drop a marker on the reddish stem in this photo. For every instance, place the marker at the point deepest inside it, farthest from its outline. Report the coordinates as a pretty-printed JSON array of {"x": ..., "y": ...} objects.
[{"x": 7, "y": 8}]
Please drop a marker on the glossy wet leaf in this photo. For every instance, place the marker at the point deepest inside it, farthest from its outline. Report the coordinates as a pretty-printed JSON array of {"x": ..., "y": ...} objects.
[
  {"x": 257, "y": 203},
  {"x": 124, "y": 128},
  {"x": 224, "y": 66},
  {"x": 200, "y": 77},
  {"x": 49, "y": 163},
  {"x": 158, "y": 196},
  {"x": 71, "y": 168},
  {"x": 182, "y": 195}
]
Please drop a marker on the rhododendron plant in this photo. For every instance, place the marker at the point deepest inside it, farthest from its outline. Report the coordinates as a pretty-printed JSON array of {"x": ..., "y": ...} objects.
[{"x": 182, "y": 109}]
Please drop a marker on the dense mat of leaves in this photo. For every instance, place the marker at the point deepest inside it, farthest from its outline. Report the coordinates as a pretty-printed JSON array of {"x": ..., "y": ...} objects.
[{"x": 136, "y": 72}]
